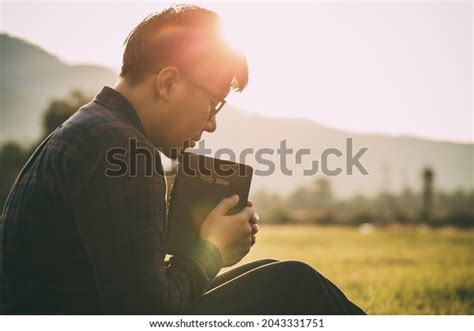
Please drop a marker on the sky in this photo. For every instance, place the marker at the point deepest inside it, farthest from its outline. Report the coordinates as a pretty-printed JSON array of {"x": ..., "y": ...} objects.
[{"x": 398, "y": 68}]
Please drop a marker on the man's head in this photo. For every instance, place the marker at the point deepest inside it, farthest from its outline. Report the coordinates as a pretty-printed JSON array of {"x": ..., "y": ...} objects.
[{"x": 176, "y": 68}]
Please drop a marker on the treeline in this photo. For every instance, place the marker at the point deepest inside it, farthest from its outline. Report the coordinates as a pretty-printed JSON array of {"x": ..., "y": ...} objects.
[{"x": 316, "y": 204}]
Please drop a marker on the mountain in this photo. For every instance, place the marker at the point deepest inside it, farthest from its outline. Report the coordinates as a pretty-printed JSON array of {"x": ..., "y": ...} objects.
[
  {"x": 30, "y": 77},
  {"x": 392, "y": 163}
]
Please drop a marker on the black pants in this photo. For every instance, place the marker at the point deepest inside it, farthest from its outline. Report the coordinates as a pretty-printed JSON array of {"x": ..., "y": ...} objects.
[{"x": 269, "y": 287}]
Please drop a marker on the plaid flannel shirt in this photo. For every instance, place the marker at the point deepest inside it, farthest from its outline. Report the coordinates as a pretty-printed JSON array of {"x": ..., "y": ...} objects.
[{"x": 77, "y": 241}]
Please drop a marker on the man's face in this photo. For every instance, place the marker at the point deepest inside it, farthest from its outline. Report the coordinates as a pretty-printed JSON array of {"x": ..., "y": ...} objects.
[{"x": 187, "y": 114}]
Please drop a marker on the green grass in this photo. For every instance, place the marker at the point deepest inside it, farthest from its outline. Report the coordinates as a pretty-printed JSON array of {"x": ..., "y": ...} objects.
[{"x": 389, "y": 271}]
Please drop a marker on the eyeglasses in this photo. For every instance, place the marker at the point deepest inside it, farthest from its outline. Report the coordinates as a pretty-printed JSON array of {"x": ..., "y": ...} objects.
[{"x": 216, "y": 102}]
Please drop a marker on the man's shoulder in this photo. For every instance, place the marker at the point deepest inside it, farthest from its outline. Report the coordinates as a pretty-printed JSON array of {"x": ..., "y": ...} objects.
[
  {"x": 81, "y": 145},
  {"x": 100, "y": 124},
  {"x": 88, "y": 134}
]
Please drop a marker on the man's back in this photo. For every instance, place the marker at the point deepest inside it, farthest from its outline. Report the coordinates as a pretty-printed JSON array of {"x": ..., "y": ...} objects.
[
  {"x": 45, "y": 263},
  {"x": 80, "y": 237}
]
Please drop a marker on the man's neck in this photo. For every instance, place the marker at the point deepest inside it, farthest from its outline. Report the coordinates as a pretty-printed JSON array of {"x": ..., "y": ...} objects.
[{"x": 134, "y": 95}]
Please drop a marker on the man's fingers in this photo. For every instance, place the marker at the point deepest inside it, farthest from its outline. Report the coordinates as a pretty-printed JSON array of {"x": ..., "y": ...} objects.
[
  {"x": 255, "y": 218},
  {"x": 247, "y": 213},
  {"x": 244, "y": 214},
  {"x": 249, "y": 203},
  {"x": 254, "y": 239},
  {"x": 255, "y": 228},
  {"x": 226, "y": 204}
]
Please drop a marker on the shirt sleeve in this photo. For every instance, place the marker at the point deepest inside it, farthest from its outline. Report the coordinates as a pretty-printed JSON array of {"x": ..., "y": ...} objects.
[{"x": 121, "y": 221}]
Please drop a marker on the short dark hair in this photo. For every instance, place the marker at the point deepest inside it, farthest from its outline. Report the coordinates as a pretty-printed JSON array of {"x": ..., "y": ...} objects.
[{"x": 184, "y": 35}]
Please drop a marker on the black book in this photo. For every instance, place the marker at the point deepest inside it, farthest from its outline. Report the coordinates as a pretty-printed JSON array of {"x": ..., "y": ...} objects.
[{"x": 199, "y": 185}]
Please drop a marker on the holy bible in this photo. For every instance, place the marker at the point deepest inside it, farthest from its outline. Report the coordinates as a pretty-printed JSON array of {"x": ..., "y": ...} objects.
[{"x": 199, "y": 185}]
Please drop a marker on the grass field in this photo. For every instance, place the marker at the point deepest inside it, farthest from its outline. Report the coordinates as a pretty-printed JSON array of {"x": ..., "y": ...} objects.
[{"x": 388, "y": 271}]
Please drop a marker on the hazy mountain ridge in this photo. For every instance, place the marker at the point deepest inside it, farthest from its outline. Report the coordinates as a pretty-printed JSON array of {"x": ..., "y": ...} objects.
[
  {"x": 31, "y": 77},
  {"x": 393, "y": 163}
]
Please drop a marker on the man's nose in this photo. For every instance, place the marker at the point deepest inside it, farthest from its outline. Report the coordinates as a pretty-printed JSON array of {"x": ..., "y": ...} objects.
[{"x": 211, "y": 125}]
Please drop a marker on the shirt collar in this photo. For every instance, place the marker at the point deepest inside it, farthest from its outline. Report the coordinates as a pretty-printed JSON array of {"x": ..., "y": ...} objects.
[{"x": 112, "y": 99}]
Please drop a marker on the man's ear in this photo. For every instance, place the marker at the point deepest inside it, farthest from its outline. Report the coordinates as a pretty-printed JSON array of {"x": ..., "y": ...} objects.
[{"x": 165, "y": 82}]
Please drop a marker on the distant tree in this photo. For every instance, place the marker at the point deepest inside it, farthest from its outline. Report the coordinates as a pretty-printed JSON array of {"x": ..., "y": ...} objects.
[
  {"x": 385, "y": 202},
  {"x": 300, "y": 199},
  {"x": 321, "y": 193},
  {"x": 426, "y": 210},
  {"x": 267, "y": 203},
  {"x": 318, "y": 194},
  {"x": 59, "y": 110},
  {"x": 408, "y": 199},
  {"x": 278, "y": 216}
]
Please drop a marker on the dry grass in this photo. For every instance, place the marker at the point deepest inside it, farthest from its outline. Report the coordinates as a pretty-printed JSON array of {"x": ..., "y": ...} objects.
[{"x": 398, "y": 270}]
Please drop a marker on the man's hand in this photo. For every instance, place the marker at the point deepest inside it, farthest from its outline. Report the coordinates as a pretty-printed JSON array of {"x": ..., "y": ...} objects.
[
  {"x": 232, "y": 234},
  {"x": 253, "y": 222}
]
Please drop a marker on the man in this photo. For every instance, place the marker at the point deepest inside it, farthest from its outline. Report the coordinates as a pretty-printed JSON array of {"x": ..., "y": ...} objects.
[{"x": 76, "y": 240}]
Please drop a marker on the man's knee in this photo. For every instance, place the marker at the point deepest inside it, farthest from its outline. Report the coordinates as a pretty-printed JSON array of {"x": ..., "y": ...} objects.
[
  {"x": 268, "y": 260},
  {"x": 298, "y": 266},
  {"x": 292, "y": 270}
]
